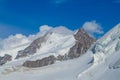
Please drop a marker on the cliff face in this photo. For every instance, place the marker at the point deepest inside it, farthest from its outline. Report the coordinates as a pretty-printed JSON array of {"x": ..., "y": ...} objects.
[
  {"x": 42, "y": 62},
  {"x": 83, "y": 43}
]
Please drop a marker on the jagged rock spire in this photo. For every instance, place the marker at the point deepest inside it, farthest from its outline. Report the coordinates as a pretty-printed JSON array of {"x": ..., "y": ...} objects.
[{"x": 83, "y": 43}]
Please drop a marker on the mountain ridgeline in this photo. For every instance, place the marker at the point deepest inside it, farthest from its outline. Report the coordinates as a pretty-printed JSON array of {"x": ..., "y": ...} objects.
[{"x": 82, "y": 44}]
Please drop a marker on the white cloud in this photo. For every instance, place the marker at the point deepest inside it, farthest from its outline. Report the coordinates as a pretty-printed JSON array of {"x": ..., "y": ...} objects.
[
  {"x": 92, "y": 28},
  {"x": 42, "y": 30},
  {"x": 17, "y": 40},
  {"x": 13, "y": 41}
]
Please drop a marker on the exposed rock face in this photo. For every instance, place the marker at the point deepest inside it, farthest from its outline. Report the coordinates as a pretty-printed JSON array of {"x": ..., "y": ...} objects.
[
  {"x": 31, "y": 49},
  {"x": 5, "y": 59},
  {"x": 83, "y": 43},
  {"x": 39, "y": 63},
  {"x": 45, "y": 61},
  {"x": 62, "y": 57}
]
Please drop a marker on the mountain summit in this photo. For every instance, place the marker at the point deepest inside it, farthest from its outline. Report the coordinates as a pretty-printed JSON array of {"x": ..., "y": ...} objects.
[{"x": 83, "y": 43}]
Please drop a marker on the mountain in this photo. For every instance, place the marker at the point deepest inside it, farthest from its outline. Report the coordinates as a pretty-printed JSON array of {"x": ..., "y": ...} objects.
[
  {"x": 82, "y": 44},
  {"x": 74, "y": 56}
]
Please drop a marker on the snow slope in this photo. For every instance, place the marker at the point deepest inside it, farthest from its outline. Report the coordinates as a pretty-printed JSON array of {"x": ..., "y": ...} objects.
[{"x": 67, "y": 70}]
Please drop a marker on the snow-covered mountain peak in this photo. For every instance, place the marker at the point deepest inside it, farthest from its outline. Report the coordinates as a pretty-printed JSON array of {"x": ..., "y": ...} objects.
[
  {"x": 45, "y": 29},
  {"x": 62, "y": 30}
]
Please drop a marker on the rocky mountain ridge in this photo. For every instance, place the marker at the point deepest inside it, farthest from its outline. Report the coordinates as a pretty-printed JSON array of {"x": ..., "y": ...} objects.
[{"x": 83, "y": 43}]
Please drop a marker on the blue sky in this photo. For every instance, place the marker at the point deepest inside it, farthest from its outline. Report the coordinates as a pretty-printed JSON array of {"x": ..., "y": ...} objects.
[{"x": 25, "y": 16}]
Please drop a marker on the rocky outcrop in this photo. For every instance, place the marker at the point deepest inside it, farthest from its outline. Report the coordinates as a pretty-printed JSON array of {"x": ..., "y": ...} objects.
[
  {"x": 83, "y": 43},
  {"x": 5, "y": 59},
  {"x": 39, "y": 63},
  {"x": 62, "y": 57},
  {"x": 31, "y": 49},
  {"x": 44, "y": 61}
]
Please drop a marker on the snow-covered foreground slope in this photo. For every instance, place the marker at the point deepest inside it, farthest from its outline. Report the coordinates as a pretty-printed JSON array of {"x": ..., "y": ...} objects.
[
  {"x": 101, "y": 62},
  {"x": 105, "y": 70},
  {"x": 67, "y": 70}
]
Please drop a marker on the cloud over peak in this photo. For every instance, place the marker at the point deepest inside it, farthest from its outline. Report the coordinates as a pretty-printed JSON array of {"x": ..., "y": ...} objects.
[
  {"x": 19, "y": 39},
  {"x": 92, "y": 28}
]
